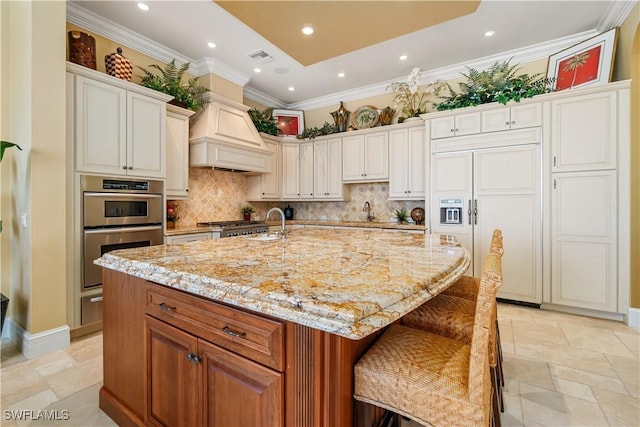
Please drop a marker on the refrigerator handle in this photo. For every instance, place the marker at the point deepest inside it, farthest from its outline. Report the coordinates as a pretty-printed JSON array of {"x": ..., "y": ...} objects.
[
  {"x": 475, "y": 211},
  {"x": 469, "y": 211}
]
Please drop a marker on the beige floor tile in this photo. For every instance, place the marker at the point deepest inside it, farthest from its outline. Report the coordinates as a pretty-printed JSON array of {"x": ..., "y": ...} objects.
[
  {"x": 30, "y": 405},
  {"x": 506, "y": 332},
  {"x": 556, "y": 409},
  {"x": 512, "y": 415},
  {"x": 587, "y": 360},
  {"x": 86, "y": 347},
  {"x": 574, "y": 389},
  {"x": 79, "y": 377},
  {"x": 628, "y": 371},
  {"x": 632, "y": 341},
  {"x": 595, "y": 380},
  {"x": 18, "y": 382},
  {"x": 527, "y": 371},
  {"x": 620, "y": 410},
  {"x": 596, "y": 339},
  {"x": 547, "y": 332},
  {"x": 512, "y": 312}
]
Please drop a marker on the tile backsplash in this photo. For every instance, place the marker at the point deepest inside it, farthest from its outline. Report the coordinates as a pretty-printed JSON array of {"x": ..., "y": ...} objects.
[{"x": 218, "y": 196}]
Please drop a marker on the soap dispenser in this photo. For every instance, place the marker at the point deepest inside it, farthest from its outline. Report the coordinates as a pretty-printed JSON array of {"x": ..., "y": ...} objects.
[{"x": 288, "y": 212}]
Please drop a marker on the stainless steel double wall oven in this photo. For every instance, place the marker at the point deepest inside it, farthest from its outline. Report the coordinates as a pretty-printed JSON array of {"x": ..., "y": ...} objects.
[{"x": 116, "y": 214}]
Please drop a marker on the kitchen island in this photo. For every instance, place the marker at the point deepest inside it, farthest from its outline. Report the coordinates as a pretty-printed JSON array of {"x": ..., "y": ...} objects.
[{"x": 248, "y": 331}]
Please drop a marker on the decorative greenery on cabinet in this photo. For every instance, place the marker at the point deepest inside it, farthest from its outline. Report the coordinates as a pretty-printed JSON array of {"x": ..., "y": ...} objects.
[
  {"x": 499, "y": 83},
  {"x": 168, "y": 79},
  {"x": 264, "y": 120}
]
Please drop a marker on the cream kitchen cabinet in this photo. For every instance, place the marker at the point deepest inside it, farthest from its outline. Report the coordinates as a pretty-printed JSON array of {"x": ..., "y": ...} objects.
[
  {"x": 290, "y": 170},
  {"x": 327, "y": 169},
  {"x": 306, "y": 170},
  {"x": 267, "y": 186},
  {"x": 118, "y": 126},
  {"x": 177, "y": 183},
  {"x": 190, "y": 237},
  {"x": 514, "y": 117},
  {"x": 584, "y": 132},
  {"x": 407, "y": 164},
  {"x": 583, "y": 240},
  {"x": 365, "y": 157},
  {"x": 455, "y": 125}
]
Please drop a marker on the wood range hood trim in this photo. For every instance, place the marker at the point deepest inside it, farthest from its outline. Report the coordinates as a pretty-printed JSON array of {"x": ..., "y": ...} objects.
[{"x": 222, "y": 136}]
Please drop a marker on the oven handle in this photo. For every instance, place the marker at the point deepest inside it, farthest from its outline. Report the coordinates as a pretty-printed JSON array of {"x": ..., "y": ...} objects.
[
  {"x": 123, "y": 195},
  {"x": 123, "y": 229}
]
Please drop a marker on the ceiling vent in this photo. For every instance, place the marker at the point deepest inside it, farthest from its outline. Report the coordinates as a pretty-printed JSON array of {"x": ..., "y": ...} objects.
[{"x": 260, "y": 56}]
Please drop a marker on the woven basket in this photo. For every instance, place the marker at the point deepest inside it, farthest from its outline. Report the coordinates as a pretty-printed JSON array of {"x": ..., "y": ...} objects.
[{"x": 118, "y": 66}]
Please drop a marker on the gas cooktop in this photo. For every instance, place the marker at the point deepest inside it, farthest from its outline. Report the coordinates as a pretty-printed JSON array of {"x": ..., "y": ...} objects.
[{"x": 237, "y": 228}]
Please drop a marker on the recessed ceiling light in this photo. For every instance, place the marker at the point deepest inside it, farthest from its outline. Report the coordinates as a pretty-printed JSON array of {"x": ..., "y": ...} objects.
[
  {"x": 489, "y": 33},
  {"x": 340, "y": 74},
  {"x": 307, "y": 30},
  {"x": 143, "y": 6},
  {"x": 257, "y": 70},
  {"x": 211, "y": 45},
  {"x": 403, "y": 57},
  {"x": 291, "y": 88}
]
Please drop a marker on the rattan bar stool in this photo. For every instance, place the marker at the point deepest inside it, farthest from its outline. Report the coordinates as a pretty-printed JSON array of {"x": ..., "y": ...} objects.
[
  {"x": 451, "y": 314},
  {"x": 432, "y": 379}
]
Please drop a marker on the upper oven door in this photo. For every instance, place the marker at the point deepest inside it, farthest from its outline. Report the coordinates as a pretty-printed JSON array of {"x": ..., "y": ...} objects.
[{"x": 109, "y": 209}]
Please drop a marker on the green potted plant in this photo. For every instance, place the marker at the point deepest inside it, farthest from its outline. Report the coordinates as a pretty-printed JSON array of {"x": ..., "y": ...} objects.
[
  {"x": 247, "y": 211},
  {"x": 264, "y": 120},
  {"x": 410, "y": 98},
  {"x": 499, "y": 83},
  {"x": 168, "y": 79},
  {"x": 401, "y": 215},
  {"x": 6, "y": 144}
]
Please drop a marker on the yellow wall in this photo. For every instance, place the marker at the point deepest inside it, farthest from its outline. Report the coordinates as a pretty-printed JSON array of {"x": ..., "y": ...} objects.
[{"x": 33, "y": 115}]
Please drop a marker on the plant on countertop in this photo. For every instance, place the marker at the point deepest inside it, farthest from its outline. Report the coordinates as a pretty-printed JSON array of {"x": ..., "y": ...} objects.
[
  {"x": 264, "y": 121},
  {"x": 6, "y": 144},
  {"x": 247, "y": 209},
  {"x": 168, "y": 79},
  {"x": 499, "y": 83},
  {"x": 410, "y": 98},
  {"x": 401, "y": 215},
  {"x": 172, "y": 212},
  {"x": 311, "y": 133}
]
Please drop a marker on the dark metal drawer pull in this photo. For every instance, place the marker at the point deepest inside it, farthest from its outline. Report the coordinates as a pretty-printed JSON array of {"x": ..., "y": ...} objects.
[
  {"x": 228, "y": 331},
  {"x": 166, "y": 307}
]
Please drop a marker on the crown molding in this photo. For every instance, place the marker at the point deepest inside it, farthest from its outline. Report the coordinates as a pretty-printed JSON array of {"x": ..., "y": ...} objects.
[
  {"x": 521, "y": 55},
  {"x": 219, "y": 68},
  {"x": 262, "y": 98},
  {"x": 615, "y": 15}
]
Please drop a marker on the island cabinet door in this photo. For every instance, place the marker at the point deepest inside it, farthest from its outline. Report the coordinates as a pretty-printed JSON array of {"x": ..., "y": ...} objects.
[
  {"x": 239, "y": 392},
  {"x": 173, "y": 376}
]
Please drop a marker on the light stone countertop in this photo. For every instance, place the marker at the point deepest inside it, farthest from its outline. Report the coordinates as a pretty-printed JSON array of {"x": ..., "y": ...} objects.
[
  {"x": 189, "y": 229},
  {"x": 364, "y": 224},
  {"x": 350, "y": 283}
]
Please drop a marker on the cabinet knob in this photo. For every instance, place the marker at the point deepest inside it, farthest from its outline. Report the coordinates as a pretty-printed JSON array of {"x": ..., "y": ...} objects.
[
  {"x": 507, "y": 123},
  {"x": 408, "y": 191},
  {"x": 186, "y": 189},
  {"x": 130, "y": 168},
  {"x": 311, "y": 194},
  {"x": 513, "y": 122},
  {"x": 453, "y": 130},
  {"x": 124, "y": 167},
  {"x": 263, "y": 193},
  {"x": 193, "y": 358}
]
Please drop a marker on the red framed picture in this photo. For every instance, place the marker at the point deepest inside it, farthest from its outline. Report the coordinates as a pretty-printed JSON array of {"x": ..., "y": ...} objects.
[
  {"x": 289, "y": 122},
  {"x": 587, "y": 63}
]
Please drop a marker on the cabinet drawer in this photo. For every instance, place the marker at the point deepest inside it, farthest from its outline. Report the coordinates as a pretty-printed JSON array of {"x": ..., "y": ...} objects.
[{"x": 251, "y": 336}]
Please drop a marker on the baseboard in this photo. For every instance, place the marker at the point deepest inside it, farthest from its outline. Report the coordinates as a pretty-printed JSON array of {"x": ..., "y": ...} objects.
[
  {"x": 633, "y": 317},
  {"x": 36, "y": 345}
]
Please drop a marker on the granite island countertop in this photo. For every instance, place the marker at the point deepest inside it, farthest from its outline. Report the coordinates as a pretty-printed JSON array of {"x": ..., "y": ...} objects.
[{"x": 350, "y": 283}]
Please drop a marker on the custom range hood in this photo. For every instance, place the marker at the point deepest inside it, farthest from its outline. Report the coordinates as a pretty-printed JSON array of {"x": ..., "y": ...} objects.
[{"x": 224, "y": 137}]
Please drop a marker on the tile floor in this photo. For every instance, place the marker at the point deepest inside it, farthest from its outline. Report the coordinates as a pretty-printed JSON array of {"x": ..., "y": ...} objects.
[{"x": 560, "y": 370}]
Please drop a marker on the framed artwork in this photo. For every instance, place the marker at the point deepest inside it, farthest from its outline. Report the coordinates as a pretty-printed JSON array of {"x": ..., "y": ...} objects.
[
  {"x": 587, "y": 63},
  {"x": 289, "y": 122}
]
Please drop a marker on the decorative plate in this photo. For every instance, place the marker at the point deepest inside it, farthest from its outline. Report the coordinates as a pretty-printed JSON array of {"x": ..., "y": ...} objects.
[
  {"x": 417, "y": 214},
  {"x": 365, "y": 117}
]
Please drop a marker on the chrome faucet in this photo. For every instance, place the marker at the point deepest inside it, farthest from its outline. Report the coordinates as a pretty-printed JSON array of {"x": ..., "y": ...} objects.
[
  {"x": 282, "y": 228},
  {"x": 367, "y": 209}
]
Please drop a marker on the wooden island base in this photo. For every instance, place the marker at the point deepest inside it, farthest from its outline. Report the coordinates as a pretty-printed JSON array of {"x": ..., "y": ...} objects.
[{"x": 172, "y": 358}]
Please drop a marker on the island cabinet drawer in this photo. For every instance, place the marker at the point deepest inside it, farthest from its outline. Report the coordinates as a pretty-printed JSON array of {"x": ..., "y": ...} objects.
[{"x": 254, "y": 337}]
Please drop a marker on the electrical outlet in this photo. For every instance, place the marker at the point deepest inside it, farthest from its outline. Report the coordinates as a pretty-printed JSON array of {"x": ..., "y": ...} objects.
[{"x": 323, "y": 217}]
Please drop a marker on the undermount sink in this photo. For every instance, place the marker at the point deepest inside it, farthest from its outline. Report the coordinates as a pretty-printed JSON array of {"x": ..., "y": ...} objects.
[{"x": 265, "y": 238}]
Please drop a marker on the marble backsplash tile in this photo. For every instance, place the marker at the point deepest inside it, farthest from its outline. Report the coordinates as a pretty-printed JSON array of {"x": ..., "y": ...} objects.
[{"x": 216, "y": 195}]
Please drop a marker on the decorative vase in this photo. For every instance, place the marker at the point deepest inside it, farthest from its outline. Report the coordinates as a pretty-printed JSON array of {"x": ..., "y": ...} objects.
[
  {"x": 82, "y": 49},
  {"x": 247, "y": 216},
  {"x": 341, "y": 118},
  {"x": 171, "y": 224},
  {"x": 118, "y": 66},
  {"x": 386, "y": 116}
]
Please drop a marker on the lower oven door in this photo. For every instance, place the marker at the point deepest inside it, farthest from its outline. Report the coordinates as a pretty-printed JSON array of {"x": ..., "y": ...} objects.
[{"x": 97, "y": 242}]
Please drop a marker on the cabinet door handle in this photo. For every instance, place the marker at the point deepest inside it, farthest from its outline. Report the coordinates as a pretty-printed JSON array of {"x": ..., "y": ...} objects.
[
  {"x": 194, "y": 358},
  {"x": 554, "y": 183},
  {"x": 554, "y": 161},
  {"x": 475, "y": 211},
  {"x": 469, "y": 211},
  {"x": 233, "y": 333},
  {"x": 166, "y": 307}
]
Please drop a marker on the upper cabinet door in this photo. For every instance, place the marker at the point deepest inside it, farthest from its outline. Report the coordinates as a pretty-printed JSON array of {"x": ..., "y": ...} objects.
[
  {"x": 376, "y": 151},
  {"x": 353, "y": 158},
  {"x": 584, "y": 133},
  {"x": 146, "y": 136},
  {"x": 455, "y": 125},
  {"x": 514, "y": 117},
  {"x": 100, "y": 127},
  {"x": 306, "y": 170},
  {"x": 177, "y": 129},
  {"x": 334, "y": 168},
  {"x": 290, "y": 171}
]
